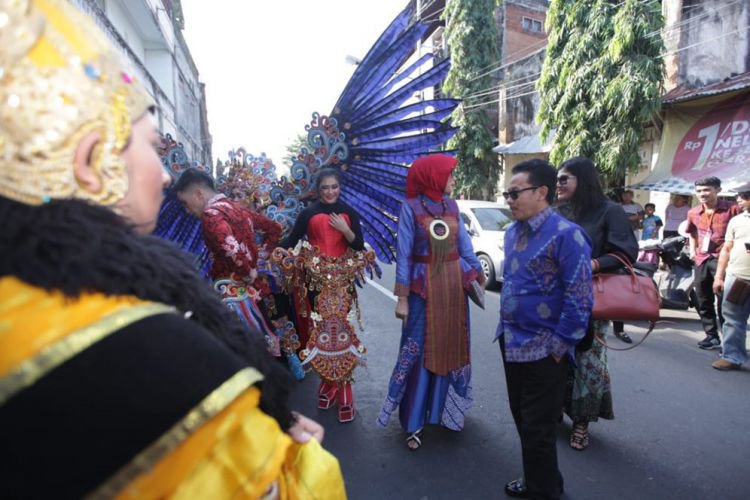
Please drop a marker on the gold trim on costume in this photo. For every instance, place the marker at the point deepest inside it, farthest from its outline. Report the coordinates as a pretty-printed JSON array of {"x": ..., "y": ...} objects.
[
  {"x": 52, "y": 356},
  {"x": 61, "y": 79},
  {"x": 211, "y": 405}
]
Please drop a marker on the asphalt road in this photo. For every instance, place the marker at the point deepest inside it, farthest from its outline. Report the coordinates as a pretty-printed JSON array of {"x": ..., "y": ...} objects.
[{"x": 681, "y": 427}]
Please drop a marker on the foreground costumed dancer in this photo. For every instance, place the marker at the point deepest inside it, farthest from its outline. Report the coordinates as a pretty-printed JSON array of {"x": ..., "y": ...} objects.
[
  {"x": 431, "y": 383},
  {"x": 325, "y": 268},
  {"x": 121, "y": 373}
]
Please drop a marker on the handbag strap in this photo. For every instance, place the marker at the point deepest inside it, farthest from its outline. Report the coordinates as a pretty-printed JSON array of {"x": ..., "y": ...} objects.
[
  {"x": 624, "y": 260},
  {"x": 651, "y": 326}
]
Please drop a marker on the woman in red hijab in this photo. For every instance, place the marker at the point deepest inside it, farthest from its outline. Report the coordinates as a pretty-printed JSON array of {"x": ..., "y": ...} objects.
[{"x": 435, "y": 263}]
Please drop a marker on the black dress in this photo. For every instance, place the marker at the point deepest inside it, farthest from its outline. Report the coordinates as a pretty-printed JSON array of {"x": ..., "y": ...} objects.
[{"x": 588, "y": 396}]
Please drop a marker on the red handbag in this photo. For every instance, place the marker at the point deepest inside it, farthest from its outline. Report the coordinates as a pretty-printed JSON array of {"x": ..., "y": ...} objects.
[{"x": 626, "y": 296}]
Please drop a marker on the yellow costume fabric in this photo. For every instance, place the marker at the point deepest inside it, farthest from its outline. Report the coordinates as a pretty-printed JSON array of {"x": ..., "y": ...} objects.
[{"x": 225, "y": 448}]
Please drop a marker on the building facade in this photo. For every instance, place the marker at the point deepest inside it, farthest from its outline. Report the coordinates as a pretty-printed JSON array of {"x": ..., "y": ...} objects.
[
  {"x": 707, "y": 60},
  {"x": 149, "y": 34}
]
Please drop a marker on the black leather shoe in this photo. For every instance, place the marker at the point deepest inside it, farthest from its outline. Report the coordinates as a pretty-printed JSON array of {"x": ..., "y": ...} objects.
[
  {"x": 517, "y": 488},
  {"x": 624, "y": 337}
]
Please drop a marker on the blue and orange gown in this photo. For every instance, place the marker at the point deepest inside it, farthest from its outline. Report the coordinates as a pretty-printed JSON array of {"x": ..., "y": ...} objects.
[{"x": 431, "y": 382}]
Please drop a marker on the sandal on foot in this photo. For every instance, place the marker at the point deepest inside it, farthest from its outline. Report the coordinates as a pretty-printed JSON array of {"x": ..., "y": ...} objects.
[
  {"x": 414, "y": 440},
  {"x": 579, "y": 438}
]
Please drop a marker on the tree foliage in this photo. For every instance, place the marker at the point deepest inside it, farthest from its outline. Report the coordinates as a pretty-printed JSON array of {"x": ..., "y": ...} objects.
[
  {"x": 601, "y": 79},
  {"x": 293, "y": 149},
  {"x": 472, "y": 36}
]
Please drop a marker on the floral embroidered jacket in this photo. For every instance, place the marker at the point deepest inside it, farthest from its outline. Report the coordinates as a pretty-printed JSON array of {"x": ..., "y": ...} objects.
[{"x": 231, "y": 230}]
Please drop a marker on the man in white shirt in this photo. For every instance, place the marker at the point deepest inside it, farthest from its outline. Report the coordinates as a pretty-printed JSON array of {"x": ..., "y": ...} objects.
[{"x": 733, "y": 277}]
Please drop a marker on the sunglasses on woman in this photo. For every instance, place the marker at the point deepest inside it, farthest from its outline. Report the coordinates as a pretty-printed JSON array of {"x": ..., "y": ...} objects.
[
  {"x": 513, "y": 195},
  {"x": 563, "y": 179}
]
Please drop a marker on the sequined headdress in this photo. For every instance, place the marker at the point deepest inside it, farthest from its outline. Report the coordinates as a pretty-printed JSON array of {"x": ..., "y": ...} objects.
[{"x": 59, "y": 80}]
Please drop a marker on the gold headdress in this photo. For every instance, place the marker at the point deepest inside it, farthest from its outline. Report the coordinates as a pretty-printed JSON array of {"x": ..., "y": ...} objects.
[{"x": 59, "y": 80}]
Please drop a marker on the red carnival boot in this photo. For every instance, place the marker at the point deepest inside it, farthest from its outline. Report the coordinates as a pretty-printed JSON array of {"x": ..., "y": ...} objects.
[
  {"x": 346, "y": 403},
  {"x": 327, "y": 393}
]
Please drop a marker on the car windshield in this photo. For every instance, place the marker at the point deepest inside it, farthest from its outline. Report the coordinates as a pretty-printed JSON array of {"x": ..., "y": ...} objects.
[{"x": 491, "y": 219}]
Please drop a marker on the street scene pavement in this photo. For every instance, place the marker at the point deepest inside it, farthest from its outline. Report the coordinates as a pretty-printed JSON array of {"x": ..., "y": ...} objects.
[{"x": 680, "y": 430}]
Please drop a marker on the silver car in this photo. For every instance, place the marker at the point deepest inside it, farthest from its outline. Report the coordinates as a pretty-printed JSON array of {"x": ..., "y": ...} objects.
[{"x": 486, "y": 222}]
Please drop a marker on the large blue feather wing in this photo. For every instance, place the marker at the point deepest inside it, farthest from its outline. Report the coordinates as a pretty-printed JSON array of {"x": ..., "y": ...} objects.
[{"x": 378, "y": 127}]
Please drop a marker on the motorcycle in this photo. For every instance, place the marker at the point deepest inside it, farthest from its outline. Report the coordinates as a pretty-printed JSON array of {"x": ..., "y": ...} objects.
[{"x": 676, "y": 285}]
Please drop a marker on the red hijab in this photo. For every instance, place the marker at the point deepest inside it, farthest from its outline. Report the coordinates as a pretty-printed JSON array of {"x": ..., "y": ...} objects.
[{"x": 428, "y": 175}]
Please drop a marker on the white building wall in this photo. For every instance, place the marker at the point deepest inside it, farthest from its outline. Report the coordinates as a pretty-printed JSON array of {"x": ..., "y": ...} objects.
[
  {"x": 143, "y": 31},
  {"x": 125, "y": 27},
  {"x": 159, "y": 64}
]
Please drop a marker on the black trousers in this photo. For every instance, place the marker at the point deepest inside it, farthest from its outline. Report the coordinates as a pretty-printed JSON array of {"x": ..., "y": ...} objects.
[
  {"x": 704, "y": 282},
  {"x": 536, "y": 393}
]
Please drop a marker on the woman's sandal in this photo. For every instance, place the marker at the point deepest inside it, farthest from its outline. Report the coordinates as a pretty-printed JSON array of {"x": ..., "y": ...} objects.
[
  {"x": 414, "y": 440},
  {"x": 579, "y": 438}
]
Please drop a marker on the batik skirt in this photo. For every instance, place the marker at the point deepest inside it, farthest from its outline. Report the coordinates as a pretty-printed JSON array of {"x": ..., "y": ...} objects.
[{"x": 421, "y": 396}]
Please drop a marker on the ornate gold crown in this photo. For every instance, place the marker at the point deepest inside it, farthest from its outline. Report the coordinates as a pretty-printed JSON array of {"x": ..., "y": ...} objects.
[{"x": 59, "y": 80}]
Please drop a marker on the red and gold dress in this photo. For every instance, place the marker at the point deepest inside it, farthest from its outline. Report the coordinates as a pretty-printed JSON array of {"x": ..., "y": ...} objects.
[{"x": 324, "y": 270}]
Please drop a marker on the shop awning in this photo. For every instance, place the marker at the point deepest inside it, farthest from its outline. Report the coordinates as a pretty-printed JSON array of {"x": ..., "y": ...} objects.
[
  {"x": 528, "y": 145},
  {"x": 705, "y": 136}
]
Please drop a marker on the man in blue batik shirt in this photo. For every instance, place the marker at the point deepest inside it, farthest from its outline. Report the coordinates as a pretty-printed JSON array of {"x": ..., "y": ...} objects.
[{"x": 544, "y": 312}]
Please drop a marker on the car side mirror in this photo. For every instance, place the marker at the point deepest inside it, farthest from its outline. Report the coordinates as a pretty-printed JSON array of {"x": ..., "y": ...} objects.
[{"x": 472, "y": 232}]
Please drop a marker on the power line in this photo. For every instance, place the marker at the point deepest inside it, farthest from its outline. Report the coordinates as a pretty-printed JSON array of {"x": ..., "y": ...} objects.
[
  {"x": 502, "y": 87},
  {"x": 661, "y": 55},
  {"x": 673, "y": 27},
  {"x": 436, "y": 14},
  {"x": 662, "y": 31}
]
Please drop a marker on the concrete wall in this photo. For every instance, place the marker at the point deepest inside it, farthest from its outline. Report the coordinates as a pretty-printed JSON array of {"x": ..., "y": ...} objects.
[
  {"x": 707, "y": 40},
  {"x": 159, "y": 64},
  {"x": 143, "y": 31},
  {"x": 517, "y": 114},
  {"x": 126, "y": 27}
]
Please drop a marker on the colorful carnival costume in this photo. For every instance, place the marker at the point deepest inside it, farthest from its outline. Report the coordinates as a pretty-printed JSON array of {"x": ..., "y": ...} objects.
[
  {"x": 324, "y": 268},
  {"x": 229, "y": 231},
  {"x": 431, "y": 383},
  {"x": 121, "y": 373}
]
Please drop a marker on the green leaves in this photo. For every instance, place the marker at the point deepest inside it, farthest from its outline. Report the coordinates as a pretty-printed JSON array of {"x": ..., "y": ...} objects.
[
  {"x": 471, "y": 34},
  {"x": 601, "y": 79}
]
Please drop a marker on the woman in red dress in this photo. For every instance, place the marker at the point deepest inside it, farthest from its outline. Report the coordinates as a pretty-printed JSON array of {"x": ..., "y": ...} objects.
[{"x": 324, "y": 269}]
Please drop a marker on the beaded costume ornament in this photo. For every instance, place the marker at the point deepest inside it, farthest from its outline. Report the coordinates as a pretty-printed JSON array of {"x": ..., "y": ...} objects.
[{"x": 60, "y": 79}]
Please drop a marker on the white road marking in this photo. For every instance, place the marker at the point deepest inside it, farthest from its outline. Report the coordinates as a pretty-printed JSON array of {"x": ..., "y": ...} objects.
[{"x": 382, "y": 289}]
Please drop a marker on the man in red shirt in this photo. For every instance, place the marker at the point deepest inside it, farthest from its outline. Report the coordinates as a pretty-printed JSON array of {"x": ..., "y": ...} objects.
[
  {"x": 707, "y": 225},
  {"x": 229, "y": 229}
]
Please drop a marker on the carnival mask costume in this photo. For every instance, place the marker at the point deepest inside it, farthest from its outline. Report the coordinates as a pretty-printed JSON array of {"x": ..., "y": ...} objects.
[{"x": 106, "y": 388}]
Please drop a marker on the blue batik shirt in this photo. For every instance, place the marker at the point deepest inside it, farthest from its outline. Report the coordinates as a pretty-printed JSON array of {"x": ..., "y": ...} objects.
[{"x": 546, "y": 298}]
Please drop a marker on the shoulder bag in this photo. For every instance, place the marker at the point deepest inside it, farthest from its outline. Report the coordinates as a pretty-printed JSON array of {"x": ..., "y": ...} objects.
[{"x": 625, "y": 296}]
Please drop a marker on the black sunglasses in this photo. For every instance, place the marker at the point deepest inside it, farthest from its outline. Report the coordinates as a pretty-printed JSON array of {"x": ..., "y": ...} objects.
[
  {"x": 563, "y": 179},
  {"x": 513, "y": 195}
]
